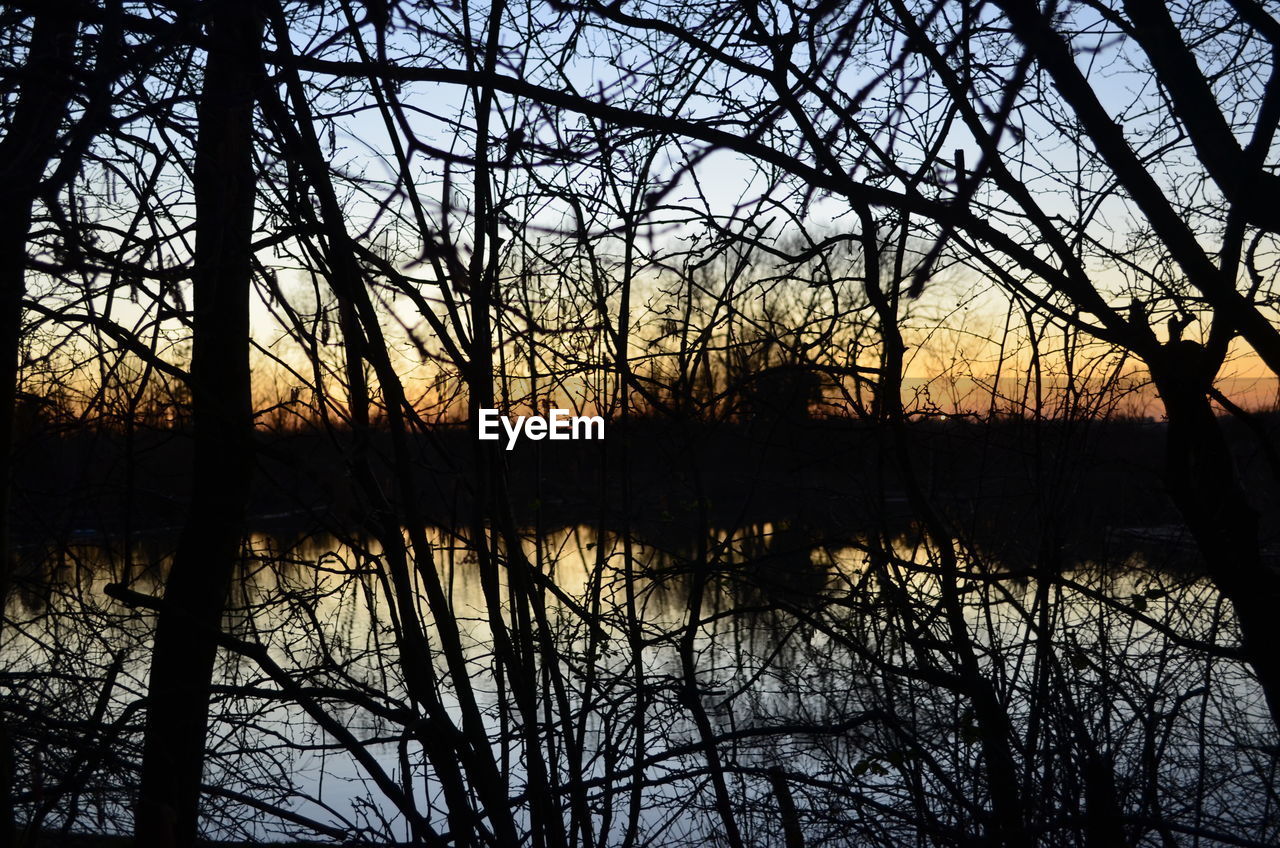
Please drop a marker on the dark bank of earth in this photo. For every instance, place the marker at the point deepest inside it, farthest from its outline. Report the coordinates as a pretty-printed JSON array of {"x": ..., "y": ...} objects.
[{"x": 1015, "y": 485}]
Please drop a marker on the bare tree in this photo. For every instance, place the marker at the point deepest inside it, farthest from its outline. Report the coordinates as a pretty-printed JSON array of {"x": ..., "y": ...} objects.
[
  {"x": 196, "y": 589},
  {"x": 770, "y": 607},
  {"x": 43, "y": 83}
]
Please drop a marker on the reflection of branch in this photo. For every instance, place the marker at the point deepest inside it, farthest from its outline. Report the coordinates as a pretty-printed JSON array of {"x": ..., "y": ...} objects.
[
  {"x": 259, "y": 653},
  {"x": 729, "y": 737},
  {"x": 278, "y": 811}
]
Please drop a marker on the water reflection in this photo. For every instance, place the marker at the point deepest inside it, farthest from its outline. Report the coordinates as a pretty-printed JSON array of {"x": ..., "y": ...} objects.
[{"x": 833, "y": 666}]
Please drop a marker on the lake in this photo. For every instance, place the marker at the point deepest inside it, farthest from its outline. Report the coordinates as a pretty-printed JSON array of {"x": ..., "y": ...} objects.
[{"x": 833, "y": 691}]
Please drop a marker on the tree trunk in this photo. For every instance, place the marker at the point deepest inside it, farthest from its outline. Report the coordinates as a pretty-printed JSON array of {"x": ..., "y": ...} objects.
[
  {"x": 25, "y": 153},
  {"x": 1202, "y": 481},
  {"x": 195, "y": 593}
]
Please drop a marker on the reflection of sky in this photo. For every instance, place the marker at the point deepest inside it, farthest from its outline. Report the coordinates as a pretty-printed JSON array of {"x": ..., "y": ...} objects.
[{"x": 776, "y": 672}]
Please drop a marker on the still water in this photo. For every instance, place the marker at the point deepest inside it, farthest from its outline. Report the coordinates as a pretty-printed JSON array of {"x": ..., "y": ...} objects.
[{"x": 827, "y": 664}]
